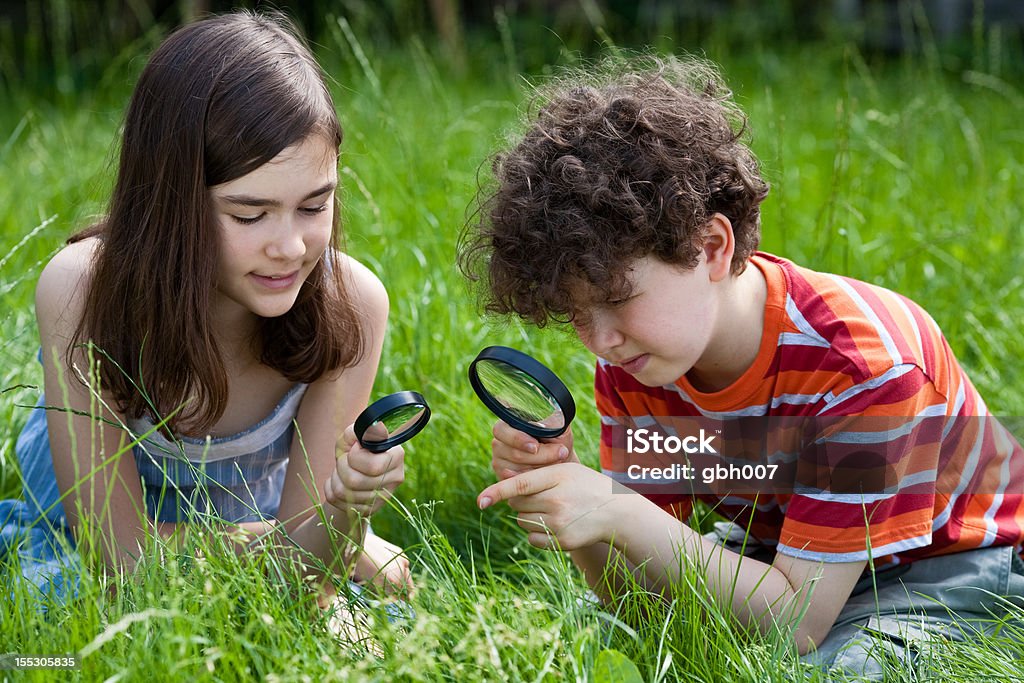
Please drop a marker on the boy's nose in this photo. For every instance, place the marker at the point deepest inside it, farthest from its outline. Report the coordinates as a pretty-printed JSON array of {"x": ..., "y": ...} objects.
[{"x": 600, "y": 335}]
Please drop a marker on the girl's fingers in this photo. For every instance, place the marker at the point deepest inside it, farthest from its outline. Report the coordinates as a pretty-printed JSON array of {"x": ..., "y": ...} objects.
[
  {"x": 376, "y": 464},
  {"x": 348, "y": 437},
  {"x": 369, "y": 496},
  {"x": 394, "y": 578}
]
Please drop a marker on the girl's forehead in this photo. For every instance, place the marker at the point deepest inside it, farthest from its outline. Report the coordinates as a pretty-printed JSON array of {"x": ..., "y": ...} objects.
[
  {"x": 313, "y": 150},
  {"x": 304, "y": 165}
]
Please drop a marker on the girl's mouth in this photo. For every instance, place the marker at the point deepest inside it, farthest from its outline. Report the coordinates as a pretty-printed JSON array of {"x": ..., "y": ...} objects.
[{"x": 279, "y": 281}]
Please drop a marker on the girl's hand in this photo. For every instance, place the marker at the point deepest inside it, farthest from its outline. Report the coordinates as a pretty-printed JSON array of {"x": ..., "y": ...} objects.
[
  {"x": 363, "y": 481},
  {"x": 383, "y": 565},
  {"x": 513, "y": 451}
]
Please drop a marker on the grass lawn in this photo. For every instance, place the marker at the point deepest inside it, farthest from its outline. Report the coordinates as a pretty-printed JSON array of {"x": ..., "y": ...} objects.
[{"x": 903, "y": 172}]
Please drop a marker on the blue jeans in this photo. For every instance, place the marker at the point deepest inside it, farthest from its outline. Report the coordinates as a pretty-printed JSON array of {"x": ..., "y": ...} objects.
[{"x": 951, "y": 597}]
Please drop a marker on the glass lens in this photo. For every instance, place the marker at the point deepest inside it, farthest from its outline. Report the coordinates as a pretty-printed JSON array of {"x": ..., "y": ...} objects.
[
  {"x": 520, "y": 394},
  {"x": 393, "y": 423}
]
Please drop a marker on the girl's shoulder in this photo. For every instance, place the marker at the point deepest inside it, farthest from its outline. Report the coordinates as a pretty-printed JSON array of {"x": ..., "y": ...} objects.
[
  {"x": 367, "y": 289},
  {"x": 64, "y": 282}
]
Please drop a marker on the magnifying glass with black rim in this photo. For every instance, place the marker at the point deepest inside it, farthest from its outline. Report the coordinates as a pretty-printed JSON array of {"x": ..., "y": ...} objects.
[
  {"x": 392, "y": 420},
  {"x": 522, "y": 391}
]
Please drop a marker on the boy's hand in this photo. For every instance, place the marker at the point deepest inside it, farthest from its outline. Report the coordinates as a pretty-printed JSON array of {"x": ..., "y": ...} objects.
[
  {"x": 565, "y": 506},
  {"x": 384, "y": 565},
  {"x": 513, "y": 451},
  {"x": 363, "y": 481}
]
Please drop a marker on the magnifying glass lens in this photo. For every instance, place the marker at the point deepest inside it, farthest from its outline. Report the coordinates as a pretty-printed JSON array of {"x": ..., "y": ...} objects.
[
  {"x": 522, "y": 391},
  {"x": 392, "y": 420},
  {"x": 393, "y": 424},
  {"x": 520, "y": 394}
]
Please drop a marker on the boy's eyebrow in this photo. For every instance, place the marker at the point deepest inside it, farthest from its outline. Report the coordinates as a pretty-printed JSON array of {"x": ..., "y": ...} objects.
[{"x": 248, "y": 200}]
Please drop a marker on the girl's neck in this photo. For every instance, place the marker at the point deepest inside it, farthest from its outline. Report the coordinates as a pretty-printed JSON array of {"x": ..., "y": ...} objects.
[{"x": 234, "y": 329}]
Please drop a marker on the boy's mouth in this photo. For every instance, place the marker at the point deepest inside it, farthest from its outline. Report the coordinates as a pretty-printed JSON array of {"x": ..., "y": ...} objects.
[{"x": 635, "y": 364}]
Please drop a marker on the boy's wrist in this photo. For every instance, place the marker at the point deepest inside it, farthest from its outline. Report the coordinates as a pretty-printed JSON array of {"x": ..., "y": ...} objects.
[
  {"x": 618, "y": 533},
  {"x": 630, "y": 514}
]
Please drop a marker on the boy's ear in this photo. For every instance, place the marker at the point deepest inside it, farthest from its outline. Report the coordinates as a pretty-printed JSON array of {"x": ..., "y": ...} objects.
[{"x": 719, "y": 245}]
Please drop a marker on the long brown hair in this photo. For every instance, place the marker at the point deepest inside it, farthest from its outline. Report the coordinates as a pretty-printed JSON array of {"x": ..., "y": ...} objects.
[{"x": 218, "y": 99}]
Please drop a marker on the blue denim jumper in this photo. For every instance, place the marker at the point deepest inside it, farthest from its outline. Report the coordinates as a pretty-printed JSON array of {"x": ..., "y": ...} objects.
[{"x": 237, "y": 478}]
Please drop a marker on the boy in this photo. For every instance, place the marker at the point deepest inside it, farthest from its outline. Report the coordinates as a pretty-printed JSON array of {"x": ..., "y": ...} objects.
[{"x": 630, "y": 208}]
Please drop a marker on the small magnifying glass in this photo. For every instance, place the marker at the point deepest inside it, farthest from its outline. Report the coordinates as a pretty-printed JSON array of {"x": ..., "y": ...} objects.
[
  {"x": 522, "y": 391},
  {"x": 392, "y": 420}
]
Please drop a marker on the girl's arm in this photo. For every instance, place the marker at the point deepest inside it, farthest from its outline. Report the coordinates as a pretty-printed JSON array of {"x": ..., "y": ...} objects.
[
  {"x": 104, "y": 502},
  {"x": 329, "y": 406},
  {"x": 92, "y": 460}
]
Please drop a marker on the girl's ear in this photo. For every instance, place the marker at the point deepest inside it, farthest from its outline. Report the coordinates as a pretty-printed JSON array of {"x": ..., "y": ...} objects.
[{"x": 719, "y": 245}]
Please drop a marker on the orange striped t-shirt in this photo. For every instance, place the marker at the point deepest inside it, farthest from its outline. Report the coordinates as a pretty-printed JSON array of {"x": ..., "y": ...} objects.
[{"x": 872, "y": 371}]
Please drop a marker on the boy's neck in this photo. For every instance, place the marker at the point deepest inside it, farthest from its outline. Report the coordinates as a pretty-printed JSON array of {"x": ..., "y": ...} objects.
[{"x": 736, "y": 339}]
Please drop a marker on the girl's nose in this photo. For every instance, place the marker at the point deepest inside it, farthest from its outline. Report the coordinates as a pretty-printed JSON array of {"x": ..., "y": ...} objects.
[{"x": 288, "y": 243}]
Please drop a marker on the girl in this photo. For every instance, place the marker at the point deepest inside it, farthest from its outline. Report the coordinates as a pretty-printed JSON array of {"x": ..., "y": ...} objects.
[{"x": 212, "y": 312}]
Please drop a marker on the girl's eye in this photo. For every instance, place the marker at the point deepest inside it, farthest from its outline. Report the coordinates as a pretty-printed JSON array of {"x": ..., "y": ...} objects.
[
  {"x": 249, "y": 220},
  {"x": 313, "y": 210}
]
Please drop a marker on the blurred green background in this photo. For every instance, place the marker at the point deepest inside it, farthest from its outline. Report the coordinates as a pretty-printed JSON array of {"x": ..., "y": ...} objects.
[
  {"x": 894, "y": 150},
  {"x": 891, "y": 135},
  {"x": 65, "y": 43}
]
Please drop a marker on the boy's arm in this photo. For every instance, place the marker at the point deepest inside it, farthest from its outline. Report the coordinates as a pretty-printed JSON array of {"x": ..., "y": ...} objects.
[
  {"x": 605, "y": 570},
  {"x": 789, "y": 591},
  {"x": 571, "y": 507}
]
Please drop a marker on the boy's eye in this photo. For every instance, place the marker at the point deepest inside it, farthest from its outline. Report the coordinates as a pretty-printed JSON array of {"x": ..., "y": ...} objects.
[{"x": 249, "y": 220}]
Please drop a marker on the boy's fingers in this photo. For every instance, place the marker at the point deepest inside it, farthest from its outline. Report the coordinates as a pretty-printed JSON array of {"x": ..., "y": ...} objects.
[
  {"x": 532, "y": 521},
  {"x": 505, "y": 469},
  {"x": 547, "y": 454},
  {"x": 542, "y": 540},
  {"x": 524, "y": 484},
  {"x": 514, "y": 438}
]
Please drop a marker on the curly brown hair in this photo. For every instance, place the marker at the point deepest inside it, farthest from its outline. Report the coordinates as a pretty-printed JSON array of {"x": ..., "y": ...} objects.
[{"x": 623, "y": 160}]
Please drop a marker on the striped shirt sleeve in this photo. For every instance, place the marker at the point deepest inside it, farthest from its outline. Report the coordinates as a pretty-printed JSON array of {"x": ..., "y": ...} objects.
[{"x": 875, "y": 455}]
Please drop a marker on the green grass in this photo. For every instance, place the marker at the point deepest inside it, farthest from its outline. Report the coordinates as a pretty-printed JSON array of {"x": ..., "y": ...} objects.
[{"x": 905, "y": 173}]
